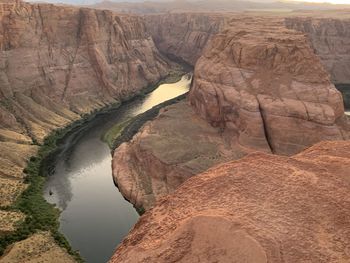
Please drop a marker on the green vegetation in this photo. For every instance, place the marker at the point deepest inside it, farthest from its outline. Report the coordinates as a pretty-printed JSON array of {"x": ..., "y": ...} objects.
[
  {"x": 40, "y": 215},
  {"x": 114, "y": 132},
  {"x": 117, "y": 130}
]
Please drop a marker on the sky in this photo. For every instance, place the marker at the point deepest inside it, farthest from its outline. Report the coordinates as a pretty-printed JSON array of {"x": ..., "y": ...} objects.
[
  {"x": 329, "y": 1},
  {"x": 260, "y": 1}
]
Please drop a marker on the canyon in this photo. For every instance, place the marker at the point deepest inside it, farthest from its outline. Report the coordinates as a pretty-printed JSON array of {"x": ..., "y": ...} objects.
[
  {"x": 258, "y": 86},
  {"x": 261, "y": 86},
  {"x": 262, "y": 83},
  {"x": 60, "y": 64}
]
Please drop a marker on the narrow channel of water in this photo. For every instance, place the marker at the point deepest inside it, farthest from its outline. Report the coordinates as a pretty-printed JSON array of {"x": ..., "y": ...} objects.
[{"x": 95, "y": 216}]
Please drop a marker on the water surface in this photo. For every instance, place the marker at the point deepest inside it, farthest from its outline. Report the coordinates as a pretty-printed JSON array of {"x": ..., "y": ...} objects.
[{"x": 95, "y": 216}]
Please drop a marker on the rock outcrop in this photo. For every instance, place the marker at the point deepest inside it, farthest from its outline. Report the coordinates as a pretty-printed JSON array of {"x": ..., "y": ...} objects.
[
  {"x": 166, "y": 152},
  {"x": 262, "y": 84},
  {"x": 262, "y": 208},
  {"x": 258, "y": 86},
  {"x": 330, "y": 38}
]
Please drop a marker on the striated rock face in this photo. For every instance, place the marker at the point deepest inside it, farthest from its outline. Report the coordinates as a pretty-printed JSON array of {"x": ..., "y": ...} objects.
[
  {"x": 265, "y": 88},
  {"x": 330, "y": 37},
  {"x": 58, "y": 62},
  {"x": 184, "y": 35},
  {"x": 262, "y": 208}
]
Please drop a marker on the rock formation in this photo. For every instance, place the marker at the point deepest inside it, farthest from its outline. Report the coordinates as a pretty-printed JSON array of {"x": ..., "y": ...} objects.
[
  {"x": 265, "y": 88},
  {"x": 259, "y": 87},
  {"x": 175, "y": 146},
  {"x": 330, "y": 38},
  {"x": 262, "y": 208}
]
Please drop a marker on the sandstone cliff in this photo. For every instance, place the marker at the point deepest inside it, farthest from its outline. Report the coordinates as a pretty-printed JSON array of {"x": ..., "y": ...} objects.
[
  {"x": 262, "y": 208},
  {"x": 330, "y": 37},
  {"x": 58, "y": 63},
  {"x": 184, "y": 35},
  {"x": 258, "y": 86}
]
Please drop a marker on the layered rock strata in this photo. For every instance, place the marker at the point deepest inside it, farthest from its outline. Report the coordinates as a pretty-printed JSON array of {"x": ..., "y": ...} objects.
[
  {"x": 330, "y": 37},
  {"x": 264, "y": 86},
  {"x": 58, "y": 63},
  {"x": 262, "y": 208},
  {"x": 184, "y": 35}
]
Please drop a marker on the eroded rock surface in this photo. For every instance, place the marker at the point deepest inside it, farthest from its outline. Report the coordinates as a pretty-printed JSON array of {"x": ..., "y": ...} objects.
[
  {"x": 262, "y": 84},
  {"x": 58, "y": 63},
  {"x": 184, "y": 35},
  {"x": 175, "y": 146},
  {"x": 258, "y": 86},
  {"x": 262, "y": 208},
  {"x": 330, "y": 37}
]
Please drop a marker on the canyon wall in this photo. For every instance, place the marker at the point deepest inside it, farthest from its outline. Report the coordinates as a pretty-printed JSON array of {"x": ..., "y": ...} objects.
[
  {"x": 262, "y": 208},
  {"x": 330, "y": 38},
  {"x": 184, "y": 35},
  {"x": 58, "y": 62},
  {"x": 258, "y": 86}
]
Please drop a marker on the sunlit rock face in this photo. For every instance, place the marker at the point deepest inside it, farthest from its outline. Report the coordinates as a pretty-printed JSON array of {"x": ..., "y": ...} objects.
[
  {"x": 263, "y": 85},
  {"x": 330, "y": 39},
  {"x": 262, "y": 208},
  {"x": 58, "y": 62}
]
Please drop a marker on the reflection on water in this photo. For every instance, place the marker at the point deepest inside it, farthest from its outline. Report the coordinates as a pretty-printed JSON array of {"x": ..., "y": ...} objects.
[{"x": 95, "y": 216}]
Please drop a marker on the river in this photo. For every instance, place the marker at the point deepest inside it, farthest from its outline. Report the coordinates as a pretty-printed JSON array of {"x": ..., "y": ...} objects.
[{"x": 95, "y": 217}]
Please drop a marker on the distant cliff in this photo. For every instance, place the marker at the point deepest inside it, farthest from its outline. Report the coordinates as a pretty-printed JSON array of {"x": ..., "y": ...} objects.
[
  {"x": 330, "y": 37},
  {"x": 184, "y": 35}
]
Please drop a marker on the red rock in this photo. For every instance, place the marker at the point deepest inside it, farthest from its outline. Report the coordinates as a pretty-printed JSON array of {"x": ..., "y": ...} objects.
[
  {"x": 58, "y": 61},
  {"x": 262, "y": 208},
  {"x": 330, "y": 39},
  {"x": 264, "y": 86}
]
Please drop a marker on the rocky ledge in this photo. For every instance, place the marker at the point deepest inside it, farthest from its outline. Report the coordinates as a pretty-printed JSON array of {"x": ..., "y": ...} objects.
[{"x": 262, "y": 208}]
